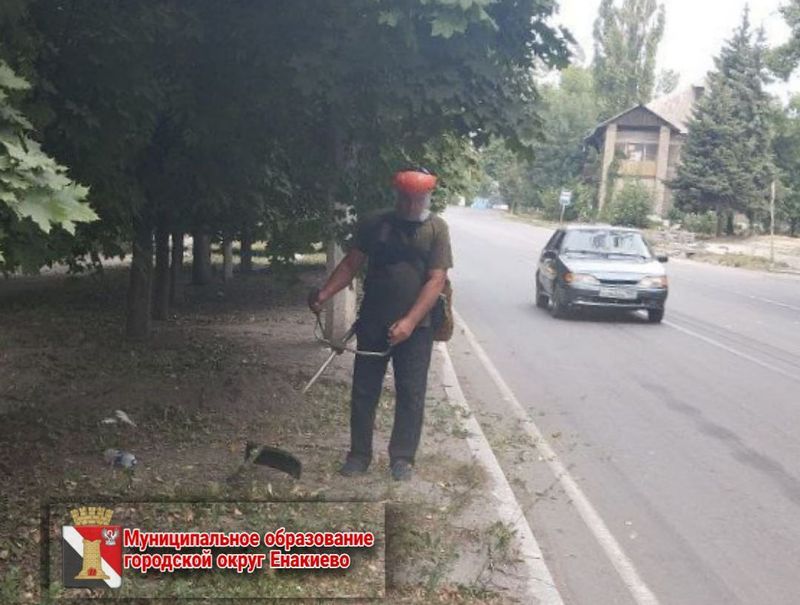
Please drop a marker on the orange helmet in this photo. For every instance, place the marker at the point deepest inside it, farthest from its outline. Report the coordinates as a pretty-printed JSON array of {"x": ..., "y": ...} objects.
[{"x": 414, "y": 181}]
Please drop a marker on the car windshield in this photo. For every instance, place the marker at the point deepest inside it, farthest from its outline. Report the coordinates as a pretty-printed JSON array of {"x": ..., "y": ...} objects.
[{"x": 605, "y": 242}]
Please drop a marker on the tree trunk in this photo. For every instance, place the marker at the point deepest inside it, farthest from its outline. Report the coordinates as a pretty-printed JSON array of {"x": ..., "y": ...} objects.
[
  {"x": 730, "y": 228},
  {"x": 246, "y": 252},
  {"x": 227, "y": 258},
  {"x": 162, "y": 275},
  {"x": 750, "y": 217},
  {"x": 201, "y": 258},
  {"x": 720, "y": 217},
  {"x": 340, "y": 312},
  {"x": 137, "y": 324},
  {"x": 176, "y": 269}
]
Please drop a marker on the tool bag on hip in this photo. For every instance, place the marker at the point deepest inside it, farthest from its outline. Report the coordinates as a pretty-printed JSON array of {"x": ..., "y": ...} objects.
[
  {"x": 442, "y": 314},
  {"x": 442, "y": 320}
]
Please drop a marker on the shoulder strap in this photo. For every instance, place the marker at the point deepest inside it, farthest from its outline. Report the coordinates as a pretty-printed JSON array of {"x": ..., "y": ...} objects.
[{"x": 412, "y": 250}]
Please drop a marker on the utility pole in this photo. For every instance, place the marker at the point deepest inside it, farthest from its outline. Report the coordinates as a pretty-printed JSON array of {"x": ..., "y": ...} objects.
[{"x": 772, "y": 227}]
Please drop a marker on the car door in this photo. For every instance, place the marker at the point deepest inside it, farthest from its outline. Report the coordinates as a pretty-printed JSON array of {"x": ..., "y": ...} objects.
[{"x": 548, "y": 262}]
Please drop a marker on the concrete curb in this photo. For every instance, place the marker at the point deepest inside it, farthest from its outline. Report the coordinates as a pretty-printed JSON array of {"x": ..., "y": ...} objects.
[
  {"x": 786, "y": 271},
  {"x": 539, "y": 587}
]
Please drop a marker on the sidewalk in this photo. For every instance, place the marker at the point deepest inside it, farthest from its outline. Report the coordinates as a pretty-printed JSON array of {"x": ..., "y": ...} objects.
[
  {"x": 227, "y": 368},
  {"x": 447, "y": 542}
]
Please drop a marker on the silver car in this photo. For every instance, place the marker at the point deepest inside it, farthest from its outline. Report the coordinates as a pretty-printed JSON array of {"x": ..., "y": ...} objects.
[{"x": 600, "y": 266}]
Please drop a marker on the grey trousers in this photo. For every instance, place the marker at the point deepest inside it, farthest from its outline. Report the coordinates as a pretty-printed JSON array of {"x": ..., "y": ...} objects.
[{"x": 410, "y": 360}]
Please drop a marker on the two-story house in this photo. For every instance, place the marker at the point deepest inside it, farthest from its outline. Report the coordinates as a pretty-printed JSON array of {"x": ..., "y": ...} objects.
[{"x": 646, "y": 141}]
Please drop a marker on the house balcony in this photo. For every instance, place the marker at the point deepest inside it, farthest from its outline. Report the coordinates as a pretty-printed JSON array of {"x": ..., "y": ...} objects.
[{"x": 638, "y": 169}]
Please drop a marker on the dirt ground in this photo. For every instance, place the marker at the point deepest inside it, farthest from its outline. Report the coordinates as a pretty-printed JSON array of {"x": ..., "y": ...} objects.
[
  {"x": 757, "y": 249},
  {"x": 227, "y": 367}
]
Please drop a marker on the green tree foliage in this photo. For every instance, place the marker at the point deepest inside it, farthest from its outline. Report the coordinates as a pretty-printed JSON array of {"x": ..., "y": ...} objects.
[
  {"x": 569, "y": 110},
  {"x": 254, "y": 117},
  {"x": 727, "y": 160},
  {"x": 786, "y": 146},
  {"x": 507, "y": 176},
  {"x": 392, "y": 81},
  {"x": 35, "y": 192},
  {"x": 626, "y": 38},
  {"x": 667, "y": 82},
  {"x": 784, "y": 59}
]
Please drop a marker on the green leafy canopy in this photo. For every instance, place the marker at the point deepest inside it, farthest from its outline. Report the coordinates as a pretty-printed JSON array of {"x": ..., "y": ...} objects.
[{"x": 32, "y": 184}]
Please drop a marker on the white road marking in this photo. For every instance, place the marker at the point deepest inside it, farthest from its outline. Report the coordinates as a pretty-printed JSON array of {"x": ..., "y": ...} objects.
[
  {"x": 540, "y": 586},
  {"x": 763, "y": 299},
  {"x": 770, "y": 301},
  {"x": 732, "y": 351},
  {"x": 637, "y": 587}
]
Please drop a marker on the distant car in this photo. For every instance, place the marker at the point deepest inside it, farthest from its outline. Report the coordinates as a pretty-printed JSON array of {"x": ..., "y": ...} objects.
[{"x": 600, "y": 266}]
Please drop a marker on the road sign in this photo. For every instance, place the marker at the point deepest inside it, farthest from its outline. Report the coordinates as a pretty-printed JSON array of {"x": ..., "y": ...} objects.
[{"x": 565, "y": 199}]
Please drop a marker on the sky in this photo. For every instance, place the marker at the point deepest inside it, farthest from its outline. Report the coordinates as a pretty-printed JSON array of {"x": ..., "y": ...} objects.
[{"x": 694, "y": 33}]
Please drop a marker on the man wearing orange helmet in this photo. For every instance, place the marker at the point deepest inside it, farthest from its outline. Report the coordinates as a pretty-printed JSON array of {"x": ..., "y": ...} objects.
[{"x": 409, "y": 253}]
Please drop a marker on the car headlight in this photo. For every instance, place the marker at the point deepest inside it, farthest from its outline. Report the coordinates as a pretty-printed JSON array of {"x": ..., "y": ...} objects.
[
  {"x": 654, "y": 281},
  {"x": 581, "y": 278}
]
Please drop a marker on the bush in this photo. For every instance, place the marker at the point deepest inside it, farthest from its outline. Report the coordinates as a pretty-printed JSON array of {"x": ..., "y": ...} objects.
[
  {"x": 705, "y": 223},
  {"x": 631, "y": 207},
  {"x": 675, "y": 215},
  {"x": 583, "y": 203}
]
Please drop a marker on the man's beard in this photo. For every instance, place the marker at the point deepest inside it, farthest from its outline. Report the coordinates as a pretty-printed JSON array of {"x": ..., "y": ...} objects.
[{"x": 420, "y": 218}]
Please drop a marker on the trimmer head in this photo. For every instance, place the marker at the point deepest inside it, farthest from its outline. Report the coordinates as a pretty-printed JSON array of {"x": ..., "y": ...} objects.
[{"x": 274, "y": 458}]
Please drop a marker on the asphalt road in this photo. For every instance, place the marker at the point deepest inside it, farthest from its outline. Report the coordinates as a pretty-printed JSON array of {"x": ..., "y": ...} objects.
[{"x": 684, "y": 436}]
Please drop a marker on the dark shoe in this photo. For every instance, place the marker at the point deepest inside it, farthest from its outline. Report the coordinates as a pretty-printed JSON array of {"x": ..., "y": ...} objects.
[
  {"x": 354, "y": 467},
  {"x": 402, "y": 470}
]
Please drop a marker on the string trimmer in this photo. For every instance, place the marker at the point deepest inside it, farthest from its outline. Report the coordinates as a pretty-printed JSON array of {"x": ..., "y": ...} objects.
[{"x": 337, "y": 348}]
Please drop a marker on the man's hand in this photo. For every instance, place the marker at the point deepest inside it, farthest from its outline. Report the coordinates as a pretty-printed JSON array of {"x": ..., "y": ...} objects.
[
  {"x": 400, "y": 331},
  {"x": 341, "y": 277},
  {"x": 315, "y": 301}
]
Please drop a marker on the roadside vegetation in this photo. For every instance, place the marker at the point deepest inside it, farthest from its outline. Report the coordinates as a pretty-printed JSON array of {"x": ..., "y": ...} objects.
[{"x": 741, "y": 140}]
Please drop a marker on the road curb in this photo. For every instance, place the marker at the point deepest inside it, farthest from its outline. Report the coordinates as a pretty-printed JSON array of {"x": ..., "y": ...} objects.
[
  {"x": 777, "y": 271},
  {"x": 540, "y": 587}
]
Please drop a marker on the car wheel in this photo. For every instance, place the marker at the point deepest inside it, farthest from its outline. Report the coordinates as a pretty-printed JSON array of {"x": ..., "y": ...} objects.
[
  {"x": 541, "y": 299},
  {"x": 654, "y": 316},
  {"x": 557, "y": 307}
]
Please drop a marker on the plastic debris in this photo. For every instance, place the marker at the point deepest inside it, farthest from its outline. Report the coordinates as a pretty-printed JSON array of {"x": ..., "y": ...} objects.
[{"x": 119, "y": 417}]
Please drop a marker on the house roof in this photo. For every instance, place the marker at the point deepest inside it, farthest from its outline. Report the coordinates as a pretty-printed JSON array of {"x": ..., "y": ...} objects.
[{"x": 674, "y": 110}]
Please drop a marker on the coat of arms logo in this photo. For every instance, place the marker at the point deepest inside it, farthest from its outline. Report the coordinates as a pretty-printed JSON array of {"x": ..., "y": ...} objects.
[{"x": 92, "y": 550}]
